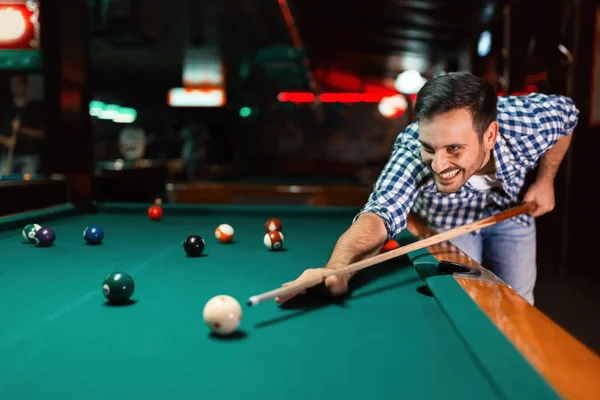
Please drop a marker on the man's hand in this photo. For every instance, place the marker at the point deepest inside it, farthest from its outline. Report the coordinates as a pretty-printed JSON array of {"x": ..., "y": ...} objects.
[
  {"x": 336, "y": 285},
  {"x": 362, "y": 240},
  {"x": 8, "y": 141},
  {"x": 542, "y": 195},
  {"x": 16, "y": 125}
]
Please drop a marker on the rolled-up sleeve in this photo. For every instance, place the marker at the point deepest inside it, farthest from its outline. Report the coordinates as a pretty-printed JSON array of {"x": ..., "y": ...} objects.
[
  {"x": 537, "y": 121},
  {"x": 398, "y": 184},
  {"x": 557, "y": 117}
]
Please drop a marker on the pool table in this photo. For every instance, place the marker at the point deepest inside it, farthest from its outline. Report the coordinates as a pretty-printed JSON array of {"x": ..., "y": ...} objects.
[{"x": 407, "y": 328}]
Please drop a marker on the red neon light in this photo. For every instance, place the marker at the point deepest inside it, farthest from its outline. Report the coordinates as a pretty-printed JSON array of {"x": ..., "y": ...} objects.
[
  {"x": 304, "y": 97},
  {"x": 372, "y": 97},
  {"x": 368, "y": 97},
  {"x": 348, "y": 97},
  {"x": 300, "y": 97},
  {"x": 540, "y": 76},
  {"x": 513, "y": 93},
  {"x": 296, "y": 97},
  {"x": 328, "y": 97}
]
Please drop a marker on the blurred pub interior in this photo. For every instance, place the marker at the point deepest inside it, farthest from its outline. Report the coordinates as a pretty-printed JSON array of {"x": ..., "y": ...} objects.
[{"x": 136, "y": 97}]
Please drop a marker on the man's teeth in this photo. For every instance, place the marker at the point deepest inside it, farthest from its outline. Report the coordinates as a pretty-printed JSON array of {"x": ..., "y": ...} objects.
[{"x": 449, "y": 175}]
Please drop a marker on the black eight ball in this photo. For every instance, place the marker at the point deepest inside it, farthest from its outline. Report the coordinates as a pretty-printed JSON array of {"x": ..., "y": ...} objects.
[{"x": 193, "y": 245}]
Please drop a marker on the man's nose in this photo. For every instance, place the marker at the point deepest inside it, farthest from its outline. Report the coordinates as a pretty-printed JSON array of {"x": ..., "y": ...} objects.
[{"x": 439, "y": 163}]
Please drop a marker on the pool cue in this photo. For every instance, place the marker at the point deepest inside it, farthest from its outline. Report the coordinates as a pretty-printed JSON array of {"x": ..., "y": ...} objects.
[{"x": 430, "y": 241}]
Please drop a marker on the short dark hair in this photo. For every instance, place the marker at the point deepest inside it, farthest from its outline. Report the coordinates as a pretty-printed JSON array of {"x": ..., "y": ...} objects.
[
  {"x": 458, "y": 90},
  {"x": 22, "y": 76}
]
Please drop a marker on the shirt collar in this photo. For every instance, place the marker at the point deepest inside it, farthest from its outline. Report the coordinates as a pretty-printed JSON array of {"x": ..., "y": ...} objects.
[{"x": 505, "y": 165}]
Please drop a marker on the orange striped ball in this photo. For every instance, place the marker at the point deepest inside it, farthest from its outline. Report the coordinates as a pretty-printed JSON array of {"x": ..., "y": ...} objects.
[{"x": 224, "y": 233}]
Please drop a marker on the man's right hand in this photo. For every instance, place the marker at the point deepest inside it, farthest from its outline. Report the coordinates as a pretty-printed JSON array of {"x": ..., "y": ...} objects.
[
  {"x": 16, "y": 125},
  {"x": 336, "y": 285},
  {"x": 8, "y": 141},
  {"x": 363, "y": 239}
]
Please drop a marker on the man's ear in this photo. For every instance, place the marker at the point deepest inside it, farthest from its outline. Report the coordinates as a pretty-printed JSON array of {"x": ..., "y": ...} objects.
[{"x": 490, "y": 135}]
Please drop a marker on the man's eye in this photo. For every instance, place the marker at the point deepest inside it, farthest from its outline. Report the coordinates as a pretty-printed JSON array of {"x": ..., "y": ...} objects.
[{"x": 454, "y": 148}]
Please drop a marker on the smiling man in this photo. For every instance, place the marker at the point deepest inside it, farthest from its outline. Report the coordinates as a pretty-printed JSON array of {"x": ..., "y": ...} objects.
[{"x": 466, "y": 158}]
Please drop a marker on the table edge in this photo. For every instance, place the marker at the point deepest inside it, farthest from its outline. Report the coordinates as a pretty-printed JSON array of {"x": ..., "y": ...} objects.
[{"x": 569, "y": 366}]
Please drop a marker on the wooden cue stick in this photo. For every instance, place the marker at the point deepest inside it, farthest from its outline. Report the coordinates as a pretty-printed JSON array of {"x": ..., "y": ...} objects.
[{"x": 435, "y": 239}]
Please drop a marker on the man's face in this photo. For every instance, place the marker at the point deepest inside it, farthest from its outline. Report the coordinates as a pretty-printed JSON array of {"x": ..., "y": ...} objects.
[
  {"x": 452, "y": 149},
  {"x": 18, "y": 86}
]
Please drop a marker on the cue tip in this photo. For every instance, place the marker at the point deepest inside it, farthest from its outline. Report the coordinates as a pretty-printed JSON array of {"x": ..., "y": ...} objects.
[{"x": 252, "y": 301}]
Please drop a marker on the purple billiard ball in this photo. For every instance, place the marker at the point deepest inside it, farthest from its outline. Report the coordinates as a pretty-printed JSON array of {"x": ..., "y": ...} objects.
[{"x": 45, "y": 237}]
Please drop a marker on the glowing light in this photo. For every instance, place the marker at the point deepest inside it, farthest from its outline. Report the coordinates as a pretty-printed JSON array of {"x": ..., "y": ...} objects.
[
  {"x": 409, "y": 82},
  {"x": 12, "y": 24},
  {"x": 484, "y": 45},
  {"x": 245, "y": 112},
  {"x": 185, "y": 97},
  {"x": 305, "y": 97},
  {"x": 392, "y": 106}
]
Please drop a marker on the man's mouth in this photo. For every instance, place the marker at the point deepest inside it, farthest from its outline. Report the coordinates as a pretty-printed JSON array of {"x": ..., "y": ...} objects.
[{"x": 448, "y": 176}]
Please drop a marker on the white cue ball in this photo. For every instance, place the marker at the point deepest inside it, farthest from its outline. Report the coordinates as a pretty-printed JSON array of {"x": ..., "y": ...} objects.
[{"x": 222, "y": 314}]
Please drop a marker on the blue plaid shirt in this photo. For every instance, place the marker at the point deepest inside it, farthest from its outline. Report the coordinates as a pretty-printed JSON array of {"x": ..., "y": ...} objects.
[{"x": 528, "y": 127}]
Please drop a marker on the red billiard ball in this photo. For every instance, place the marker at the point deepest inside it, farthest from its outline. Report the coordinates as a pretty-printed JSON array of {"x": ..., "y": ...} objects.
[
  {"x": 155, "y": 213},
  {"x": 273, "y": 240},
  {"x": 390, "y": 245},
  {"x": 273, "y": 224}
]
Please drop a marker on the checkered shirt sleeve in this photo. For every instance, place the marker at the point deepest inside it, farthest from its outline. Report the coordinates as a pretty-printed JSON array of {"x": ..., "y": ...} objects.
[
  {"x": 399, "y": 182},
  {"x": 532, "y": 124}
]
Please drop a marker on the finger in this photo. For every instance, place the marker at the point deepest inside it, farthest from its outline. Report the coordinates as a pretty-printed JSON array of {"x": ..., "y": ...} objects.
[
  {"x": 283, "y": 299},
  {"x": 534, "y": 207},
  {"x": 336, "y": 285},
  {"x": 538, "y": 212}
]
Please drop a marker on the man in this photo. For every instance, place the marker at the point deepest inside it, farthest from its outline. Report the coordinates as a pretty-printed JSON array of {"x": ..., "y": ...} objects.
[
  {"x": 194, "y": 151},
  {"x": 132, "y": 143},
  {"x": 465, "y": 158},
  {"x": 21, "y": 130}
]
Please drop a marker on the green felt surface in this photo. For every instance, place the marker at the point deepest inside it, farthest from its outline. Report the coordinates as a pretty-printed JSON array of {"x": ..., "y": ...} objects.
[
  {"x": 388, "y": 339},
  {"x": 21, "y": 177}
]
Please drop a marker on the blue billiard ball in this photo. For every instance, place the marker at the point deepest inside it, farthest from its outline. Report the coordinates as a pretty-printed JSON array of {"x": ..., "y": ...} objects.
[
  {"x": 45, "y": 237},
  {"x": 93, "y": 234}
]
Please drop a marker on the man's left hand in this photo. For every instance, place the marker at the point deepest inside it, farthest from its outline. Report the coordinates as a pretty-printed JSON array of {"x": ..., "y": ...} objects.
[{"x": 542, "y": 194}]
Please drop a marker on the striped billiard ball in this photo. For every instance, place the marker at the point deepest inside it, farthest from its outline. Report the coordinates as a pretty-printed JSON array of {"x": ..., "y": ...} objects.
[
  {"x": 29, "y": 232},
  {"x": 273, "y": 224},
  {"x": 273, "y": 240},
  {"x": 224, "y": 233}
]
